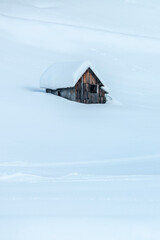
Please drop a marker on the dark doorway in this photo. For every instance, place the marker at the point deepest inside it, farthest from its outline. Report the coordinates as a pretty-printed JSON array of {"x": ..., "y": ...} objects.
[
  {"x": 59, "y": 94},
  {"x": 93, "y": 88}
]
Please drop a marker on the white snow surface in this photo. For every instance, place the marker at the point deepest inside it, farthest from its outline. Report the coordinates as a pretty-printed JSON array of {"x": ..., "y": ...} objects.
[
  {"x": 65, "y": 74},
  {"x": 75, "y": 171}
]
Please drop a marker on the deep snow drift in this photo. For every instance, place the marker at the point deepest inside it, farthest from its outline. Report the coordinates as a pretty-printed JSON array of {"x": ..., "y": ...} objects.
[
  {"x": 74, "y": 171},
  {"x": 65, "y": 74}
]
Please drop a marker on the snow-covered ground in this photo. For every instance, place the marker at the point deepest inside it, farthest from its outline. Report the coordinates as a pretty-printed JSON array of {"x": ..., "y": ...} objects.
[{"x": 68, "y": 170}]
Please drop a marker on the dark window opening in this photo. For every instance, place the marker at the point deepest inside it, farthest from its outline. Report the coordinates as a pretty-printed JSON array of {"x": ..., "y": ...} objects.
[
  {"x": 93, "y": 88},
  {"x": 59, "y": 94}
]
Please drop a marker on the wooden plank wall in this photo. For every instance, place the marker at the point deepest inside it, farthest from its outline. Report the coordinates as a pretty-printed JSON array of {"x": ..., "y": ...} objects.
[{"x": 81, "y": 91}]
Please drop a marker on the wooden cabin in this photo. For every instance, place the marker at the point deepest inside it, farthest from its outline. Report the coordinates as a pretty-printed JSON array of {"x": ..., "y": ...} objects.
[{"x": 78, "y": 82}]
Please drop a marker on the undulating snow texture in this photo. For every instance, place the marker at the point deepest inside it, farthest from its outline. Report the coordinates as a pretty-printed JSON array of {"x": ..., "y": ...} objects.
[{"x": 74, "y": 171}]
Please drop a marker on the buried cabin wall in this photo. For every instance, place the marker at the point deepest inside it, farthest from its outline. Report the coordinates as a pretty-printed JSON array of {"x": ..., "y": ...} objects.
[
  {"x": 68, "y": 93},
  {"x": 83, "y": 89}
]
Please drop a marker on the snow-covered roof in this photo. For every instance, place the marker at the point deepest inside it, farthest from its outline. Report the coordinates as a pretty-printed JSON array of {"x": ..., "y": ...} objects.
[{"x": 65, "y": 74}]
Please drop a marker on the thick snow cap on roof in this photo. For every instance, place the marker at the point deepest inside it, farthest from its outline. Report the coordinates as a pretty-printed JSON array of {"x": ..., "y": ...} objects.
[{"x": 65, "y": 74}]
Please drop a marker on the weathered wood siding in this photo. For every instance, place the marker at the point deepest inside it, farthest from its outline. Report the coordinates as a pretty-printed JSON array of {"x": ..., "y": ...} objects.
[
  {"x": 83, "y": 89},
  {"x": 68, "y": 93},
  {"x": 87, "y": 90}
]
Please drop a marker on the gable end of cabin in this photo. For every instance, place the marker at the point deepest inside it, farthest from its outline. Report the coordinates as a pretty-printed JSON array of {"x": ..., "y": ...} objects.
[{"x": 88, "y": 89}]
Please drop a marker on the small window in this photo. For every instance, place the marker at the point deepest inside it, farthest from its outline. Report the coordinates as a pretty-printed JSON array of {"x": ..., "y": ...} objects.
[{"x": 93, "y": 88}]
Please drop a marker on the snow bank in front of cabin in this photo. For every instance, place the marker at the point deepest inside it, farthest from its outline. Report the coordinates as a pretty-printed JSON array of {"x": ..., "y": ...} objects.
[{"x": 66, "y": 74}]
